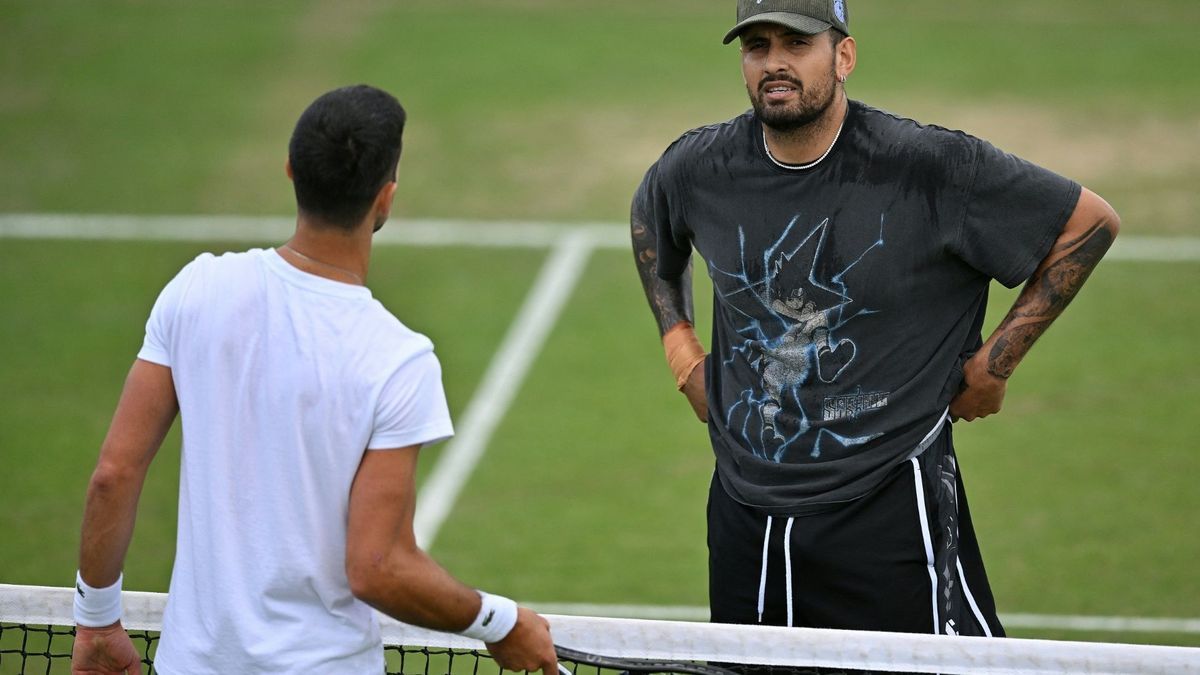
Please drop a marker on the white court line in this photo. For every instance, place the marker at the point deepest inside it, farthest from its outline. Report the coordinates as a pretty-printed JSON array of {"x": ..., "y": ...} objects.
[
  {"x": 427, "y": 233},
  {"x": 500, "y": 384},
  {"x": 1111, "y": 624},
  {"x": 259, "y": 229},
  {"x": 1155, "y": 249},
  {"x": 1116, "y": 624}
]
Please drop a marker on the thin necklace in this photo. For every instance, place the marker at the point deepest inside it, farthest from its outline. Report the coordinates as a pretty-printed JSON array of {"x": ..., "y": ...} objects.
[
  {"x": 358, "y": 278},
  {"x": 801, "y": 167}
]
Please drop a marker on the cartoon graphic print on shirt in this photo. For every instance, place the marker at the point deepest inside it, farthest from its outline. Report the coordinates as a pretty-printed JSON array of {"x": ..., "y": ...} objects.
[{"x": 790, "y": 336}]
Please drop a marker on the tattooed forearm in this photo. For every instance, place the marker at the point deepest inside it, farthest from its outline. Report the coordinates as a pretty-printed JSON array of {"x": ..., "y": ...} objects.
[
  {"x": 1052, "y": 287},
  {"x": 670, "y": 300},
  {"x": 1011, "y": 345}
]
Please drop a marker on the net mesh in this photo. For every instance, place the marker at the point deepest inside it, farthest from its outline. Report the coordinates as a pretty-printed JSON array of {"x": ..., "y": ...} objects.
[
  {"x": 36, "y": 636},
  {"x": 29, "y": 648},
  {"x": 26, "y": 648}
]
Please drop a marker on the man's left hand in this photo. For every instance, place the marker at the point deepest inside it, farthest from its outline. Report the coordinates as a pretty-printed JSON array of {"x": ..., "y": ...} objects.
[
  {"x": 104, "y": 651},
  {"x": 982, "y": 393}
]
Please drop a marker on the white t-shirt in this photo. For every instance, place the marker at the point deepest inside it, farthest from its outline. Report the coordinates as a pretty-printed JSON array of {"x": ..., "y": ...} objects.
[{"x": 284, "y": 379}]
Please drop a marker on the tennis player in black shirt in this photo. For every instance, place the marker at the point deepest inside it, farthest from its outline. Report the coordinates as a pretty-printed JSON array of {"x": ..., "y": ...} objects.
[{"x": 850, "y": 252}]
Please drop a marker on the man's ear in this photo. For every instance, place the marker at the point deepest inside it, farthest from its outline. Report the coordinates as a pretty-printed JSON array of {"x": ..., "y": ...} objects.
[
  {"x": 845, "y": 57},
  {"x": 384, "y": 199},
  {"x": 287, "y": 167}
]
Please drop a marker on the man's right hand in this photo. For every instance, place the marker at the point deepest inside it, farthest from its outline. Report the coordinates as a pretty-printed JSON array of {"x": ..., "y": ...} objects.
[
  {"x": 694, "y": 390},
  {"x": 104, "y": 651},
  {"x": 528, "y": 646}
]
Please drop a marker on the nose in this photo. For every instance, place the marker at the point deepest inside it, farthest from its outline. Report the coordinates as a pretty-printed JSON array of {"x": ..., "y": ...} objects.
[{"x": 775, "y": 61}]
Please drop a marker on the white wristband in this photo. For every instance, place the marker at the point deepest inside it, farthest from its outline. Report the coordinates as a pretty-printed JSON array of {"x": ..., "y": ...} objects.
[
  {"x": 97, "y": 607},
  {"x": 497, "y": 616}
]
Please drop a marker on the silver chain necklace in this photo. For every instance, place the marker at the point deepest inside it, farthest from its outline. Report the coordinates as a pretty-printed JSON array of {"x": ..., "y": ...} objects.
[
  {"x": 343, "y": 270},
  {"x": 802, "y": 167}
]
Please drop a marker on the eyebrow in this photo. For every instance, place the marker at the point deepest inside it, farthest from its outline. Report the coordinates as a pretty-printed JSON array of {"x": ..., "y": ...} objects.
[{"x": 748, "y": 35}]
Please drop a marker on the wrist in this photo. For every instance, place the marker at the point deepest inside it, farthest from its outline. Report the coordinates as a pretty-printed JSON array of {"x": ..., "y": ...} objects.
[
  {"x": 113, "y": 627},
  {"x": 684, "y": 352},
  {"x": 994, "y": 371},
  {"x": 97, "y": 607},
  {"x": 496, "y": 618},
  {"x": 980, "y": 366}
]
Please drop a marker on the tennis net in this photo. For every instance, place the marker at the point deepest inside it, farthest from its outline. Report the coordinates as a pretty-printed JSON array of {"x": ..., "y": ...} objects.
[{"x": 36, "y": 635}]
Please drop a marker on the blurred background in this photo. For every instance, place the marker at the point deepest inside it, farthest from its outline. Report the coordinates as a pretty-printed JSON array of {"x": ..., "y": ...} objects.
[{"x": 549, "y": 111}]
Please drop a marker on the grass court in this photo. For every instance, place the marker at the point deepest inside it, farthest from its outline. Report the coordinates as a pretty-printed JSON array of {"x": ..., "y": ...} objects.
[{"x": 593, "y": 483}]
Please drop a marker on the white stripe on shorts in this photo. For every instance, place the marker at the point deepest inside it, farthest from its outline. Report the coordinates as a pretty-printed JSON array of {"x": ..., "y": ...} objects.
[
  {"x": 924, "y": 518},
  {"x": 787, "y": 559},
  {"x": 962, "y": 578},
  {"x": 762, "y": 578}
]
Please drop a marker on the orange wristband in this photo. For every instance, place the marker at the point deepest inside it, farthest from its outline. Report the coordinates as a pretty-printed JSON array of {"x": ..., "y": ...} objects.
[{"x": 684, "y": 351}]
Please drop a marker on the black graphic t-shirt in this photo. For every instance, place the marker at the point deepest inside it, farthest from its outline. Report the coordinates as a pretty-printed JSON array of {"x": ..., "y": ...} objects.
[{"x": 845, "y": 296}]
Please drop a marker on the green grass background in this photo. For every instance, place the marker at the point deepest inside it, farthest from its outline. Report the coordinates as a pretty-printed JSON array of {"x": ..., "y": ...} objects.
[{"x": 1083, "y": 489}]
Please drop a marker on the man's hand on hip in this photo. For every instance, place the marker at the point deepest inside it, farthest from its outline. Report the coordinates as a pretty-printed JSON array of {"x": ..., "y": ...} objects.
[{"x": 982, "y": 393}]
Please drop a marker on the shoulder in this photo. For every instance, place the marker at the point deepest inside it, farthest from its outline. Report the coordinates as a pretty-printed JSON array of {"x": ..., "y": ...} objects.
[
  {"x": 381, "y": 349},
  {"x": 704, "y": 138},
  {"x": 906, "y": 130},
  {"x": 696, "y": 144},
  {"x": 401, "y": 362},
  {"x": 918, "y": 144},
  {"x": 402, "y": 342},
  {"x": 221, "y": 274},
  {"x": 224, "y": 264},
  {"x": 199, "y": 265},
  {"x": 187, "y": 276}
]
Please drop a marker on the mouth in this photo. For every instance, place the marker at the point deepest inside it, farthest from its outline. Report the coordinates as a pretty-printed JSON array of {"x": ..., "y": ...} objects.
[{"x": 777, "y": 90}]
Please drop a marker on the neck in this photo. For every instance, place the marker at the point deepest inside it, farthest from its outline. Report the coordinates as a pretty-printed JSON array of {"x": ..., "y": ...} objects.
[
  {"x": 328, "y": 252},
  {"x": 810, "y": 143}
]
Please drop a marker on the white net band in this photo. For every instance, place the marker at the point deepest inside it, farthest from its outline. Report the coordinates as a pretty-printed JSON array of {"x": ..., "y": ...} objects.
[{"x": 720, "y": 643}]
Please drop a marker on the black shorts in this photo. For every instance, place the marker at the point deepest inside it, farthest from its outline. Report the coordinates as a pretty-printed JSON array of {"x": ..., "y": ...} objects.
[{"x": 902, "y": 558}]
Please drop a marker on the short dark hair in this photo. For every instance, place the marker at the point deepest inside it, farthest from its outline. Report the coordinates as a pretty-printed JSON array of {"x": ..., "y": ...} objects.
[{"x": 346, "y": 146}]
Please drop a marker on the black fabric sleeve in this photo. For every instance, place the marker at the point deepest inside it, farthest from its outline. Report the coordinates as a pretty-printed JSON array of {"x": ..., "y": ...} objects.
[
  {"x": 1014, "y": 211},
  {"x": 652, "y": 205}
]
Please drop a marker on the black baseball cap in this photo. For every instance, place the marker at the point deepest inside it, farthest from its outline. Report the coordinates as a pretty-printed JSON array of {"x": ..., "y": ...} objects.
[{"x": 803, "y": 16}]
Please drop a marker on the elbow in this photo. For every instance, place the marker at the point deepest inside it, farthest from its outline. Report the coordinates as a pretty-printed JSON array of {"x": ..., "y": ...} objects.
[
  {"x": 364, "y": 577},
  {"x": 1112, "y": 222},
  {"x": 1108, "y": 218},
  {"x": 375, "y": 576},
  {"x": 110, "y": 479},
  {"x": 1100, "y": 213}
]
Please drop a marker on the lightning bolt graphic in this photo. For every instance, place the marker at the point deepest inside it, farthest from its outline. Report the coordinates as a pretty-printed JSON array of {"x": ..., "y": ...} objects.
[{"x": 784, "y": 333}]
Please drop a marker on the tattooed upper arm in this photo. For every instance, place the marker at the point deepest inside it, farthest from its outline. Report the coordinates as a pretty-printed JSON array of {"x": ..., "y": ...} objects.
[{"x": 670, "y": 299}]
